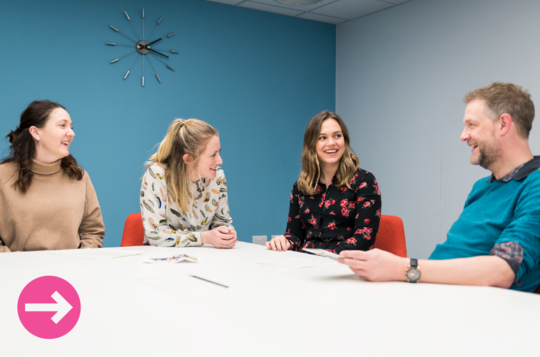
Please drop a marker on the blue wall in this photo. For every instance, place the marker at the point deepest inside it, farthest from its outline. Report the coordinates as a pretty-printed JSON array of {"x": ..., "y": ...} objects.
[{"x": 257, "y": 77}]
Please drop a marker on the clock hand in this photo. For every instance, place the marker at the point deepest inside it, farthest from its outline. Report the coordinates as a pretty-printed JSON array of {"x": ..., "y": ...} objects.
[
  {"x": 151, "y": 43},
  {"x": 159, "y": 53}
]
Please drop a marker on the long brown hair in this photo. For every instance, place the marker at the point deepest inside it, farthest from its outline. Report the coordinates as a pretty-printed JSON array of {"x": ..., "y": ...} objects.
[
  {"x": 23, "y": 148},
  {"x": 311, "y": 168},
  {"x": 183, "y": 137}
]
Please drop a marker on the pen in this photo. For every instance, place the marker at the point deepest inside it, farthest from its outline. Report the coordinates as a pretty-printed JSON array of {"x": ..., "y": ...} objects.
[{"x": 209, "y": 281}]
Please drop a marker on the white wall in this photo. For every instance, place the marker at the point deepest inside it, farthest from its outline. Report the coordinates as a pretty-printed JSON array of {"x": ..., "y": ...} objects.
[{"x": 401, "y": 77}]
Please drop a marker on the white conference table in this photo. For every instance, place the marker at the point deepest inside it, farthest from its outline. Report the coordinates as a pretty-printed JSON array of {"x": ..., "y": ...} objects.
[{"x": 129, "y": 308}]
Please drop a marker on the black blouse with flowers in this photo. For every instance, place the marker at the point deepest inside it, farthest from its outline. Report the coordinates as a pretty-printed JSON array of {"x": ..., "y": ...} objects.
[{"x": 336, "y": 219}]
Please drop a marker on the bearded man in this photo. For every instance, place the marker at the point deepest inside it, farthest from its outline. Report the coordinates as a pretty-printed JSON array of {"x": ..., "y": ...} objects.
[{"x": 496, "y": 239}]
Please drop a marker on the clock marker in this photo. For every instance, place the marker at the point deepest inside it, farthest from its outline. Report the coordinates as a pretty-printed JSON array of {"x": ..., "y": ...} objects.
[
  {"x": 157, "y": 23},
  {"x": 142, "y": 47},
  {"x": 162, "y": 61},
  {"x": 162, "y": 49},
  {"x": 132, "y": 25},
  {"x": 159, "y": 79},
  {"x": 117, "y": 44},
  {"x": 119, "y": 58},
  {"x": 117, "y": 30},
  {"x": 127, "y": 73}
]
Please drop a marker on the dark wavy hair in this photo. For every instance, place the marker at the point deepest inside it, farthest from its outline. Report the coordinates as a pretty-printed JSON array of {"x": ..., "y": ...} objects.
[{"x": 23, "y": 148}]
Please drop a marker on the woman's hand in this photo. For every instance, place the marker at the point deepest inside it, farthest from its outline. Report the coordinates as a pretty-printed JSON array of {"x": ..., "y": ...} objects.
[
  {"x": 279, "y": 243},
  {"x": 220, "y": 237}
]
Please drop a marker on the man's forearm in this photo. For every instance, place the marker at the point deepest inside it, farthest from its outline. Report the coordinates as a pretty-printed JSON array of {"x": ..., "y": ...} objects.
[{"x": 480, "y": 271}]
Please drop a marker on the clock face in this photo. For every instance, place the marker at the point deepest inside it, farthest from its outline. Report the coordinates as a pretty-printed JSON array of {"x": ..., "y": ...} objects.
[
  {"x": 146, "y": 47},
  {"x": 413, "y": 275}
]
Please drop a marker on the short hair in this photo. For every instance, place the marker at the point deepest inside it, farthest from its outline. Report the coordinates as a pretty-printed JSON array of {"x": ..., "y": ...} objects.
[{"x": 507, "y": 98}]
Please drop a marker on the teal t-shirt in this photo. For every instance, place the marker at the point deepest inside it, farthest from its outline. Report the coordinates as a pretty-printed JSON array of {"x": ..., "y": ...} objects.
[{"x": 498, "y": 212}]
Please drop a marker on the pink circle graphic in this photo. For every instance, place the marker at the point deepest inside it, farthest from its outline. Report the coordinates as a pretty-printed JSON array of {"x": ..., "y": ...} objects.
[{"x": 49, "y": 307}]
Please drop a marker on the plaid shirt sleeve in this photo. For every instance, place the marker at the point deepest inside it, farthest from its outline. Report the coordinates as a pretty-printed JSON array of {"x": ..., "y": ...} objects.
[{"x": 512, "y": 252}]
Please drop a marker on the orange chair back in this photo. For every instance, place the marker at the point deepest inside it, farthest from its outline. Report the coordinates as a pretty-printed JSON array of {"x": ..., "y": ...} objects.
[
  {"x": 391, "y": 236},
  {"x": 133, "y": 231}
]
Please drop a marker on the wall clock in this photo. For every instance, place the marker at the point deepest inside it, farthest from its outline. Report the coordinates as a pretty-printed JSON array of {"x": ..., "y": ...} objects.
[{"x": 144, "y": 47}]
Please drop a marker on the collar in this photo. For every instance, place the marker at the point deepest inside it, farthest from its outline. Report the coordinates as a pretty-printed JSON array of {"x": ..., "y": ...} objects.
[
  {"x": 46, "y": 169},
  {"x": 520, "y": 172}
]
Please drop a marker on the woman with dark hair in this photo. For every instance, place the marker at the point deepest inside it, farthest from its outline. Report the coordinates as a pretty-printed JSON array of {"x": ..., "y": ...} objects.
[
  {"x": 46, "y": 200},
  {"x": 335, "y": 205}
]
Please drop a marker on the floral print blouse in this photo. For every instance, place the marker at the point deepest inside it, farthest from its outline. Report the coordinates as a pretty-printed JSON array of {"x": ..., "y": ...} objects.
[
  {"x": 165, "y": 225},
  {"x": 336, "y": 219}
]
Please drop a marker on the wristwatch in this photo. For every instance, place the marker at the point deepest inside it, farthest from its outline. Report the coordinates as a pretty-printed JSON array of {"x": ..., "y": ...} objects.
[{"x": 412, "y": 273}]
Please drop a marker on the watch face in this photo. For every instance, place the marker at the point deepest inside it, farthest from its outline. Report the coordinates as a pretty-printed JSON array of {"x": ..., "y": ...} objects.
[{"x": 413, "y": 275}]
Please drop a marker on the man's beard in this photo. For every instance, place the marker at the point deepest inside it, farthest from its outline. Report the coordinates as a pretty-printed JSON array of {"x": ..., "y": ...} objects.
[{"x": 486, "y": 156}]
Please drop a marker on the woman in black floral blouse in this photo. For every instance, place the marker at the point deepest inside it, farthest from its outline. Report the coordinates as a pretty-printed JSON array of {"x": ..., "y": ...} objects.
[{"x": 335, "y": 205}]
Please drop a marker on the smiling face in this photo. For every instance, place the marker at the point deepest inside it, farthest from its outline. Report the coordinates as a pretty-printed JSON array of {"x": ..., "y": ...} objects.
[
  {"x": 209, "y": 160},
  {"x": 331, "y": 144},
  {"x": 479, "y": 133},
  {"x": 54, "y": 138}
]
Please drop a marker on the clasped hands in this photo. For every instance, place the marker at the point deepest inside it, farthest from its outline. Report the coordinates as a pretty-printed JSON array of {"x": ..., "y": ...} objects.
[{"x": 220, "y": 237}]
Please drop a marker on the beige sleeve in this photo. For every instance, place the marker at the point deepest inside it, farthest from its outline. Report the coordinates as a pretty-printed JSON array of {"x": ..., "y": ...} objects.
[{"x": 92, "y": 229}]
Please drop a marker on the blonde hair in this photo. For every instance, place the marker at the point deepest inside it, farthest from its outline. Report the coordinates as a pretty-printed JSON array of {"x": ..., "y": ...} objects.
[
  {"x": 183, "y": 137},
  {"x": 507, "y": 98},
  {"x": 311, "y": 168}
]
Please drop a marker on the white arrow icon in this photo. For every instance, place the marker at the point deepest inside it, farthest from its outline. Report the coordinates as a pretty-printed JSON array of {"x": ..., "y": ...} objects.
[{"x": 62, "y": 307}]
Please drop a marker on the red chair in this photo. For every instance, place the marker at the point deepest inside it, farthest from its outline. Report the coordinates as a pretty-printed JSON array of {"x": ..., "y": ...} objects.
[
  {"x": 133, "y": 231},
  {"x": 391, "y": 236}
]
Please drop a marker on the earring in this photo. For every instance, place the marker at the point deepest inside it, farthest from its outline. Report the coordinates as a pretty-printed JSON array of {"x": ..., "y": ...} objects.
[{"x": 37, "y": 138}]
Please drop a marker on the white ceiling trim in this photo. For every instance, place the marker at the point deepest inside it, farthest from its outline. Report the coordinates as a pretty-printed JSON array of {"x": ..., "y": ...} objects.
[{"x": 329, "y": 11}]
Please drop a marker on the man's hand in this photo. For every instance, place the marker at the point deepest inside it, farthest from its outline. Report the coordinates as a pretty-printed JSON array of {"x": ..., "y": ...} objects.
[{"x": 375, "y": 264}]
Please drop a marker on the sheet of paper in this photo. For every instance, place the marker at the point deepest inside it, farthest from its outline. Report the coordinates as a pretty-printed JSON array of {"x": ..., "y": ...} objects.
[
  {"x": 96, "y": 253},
  {"x": 184, "y": 285},
  {"x": 273, "y": 266},
  {"x": 178, "y": 258},
  {"x": 322, "y": 253}
]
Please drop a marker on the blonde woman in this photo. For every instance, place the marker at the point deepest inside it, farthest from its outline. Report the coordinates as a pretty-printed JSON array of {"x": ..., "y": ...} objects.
[
  {"x": 184, "y": 191},
  {"x": 335, "y": 205}
]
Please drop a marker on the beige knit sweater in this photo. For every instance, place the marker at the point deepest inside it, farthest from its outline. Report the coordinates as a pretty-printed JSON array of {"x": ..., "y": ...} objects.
[{"x": 56, "y": 212}]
